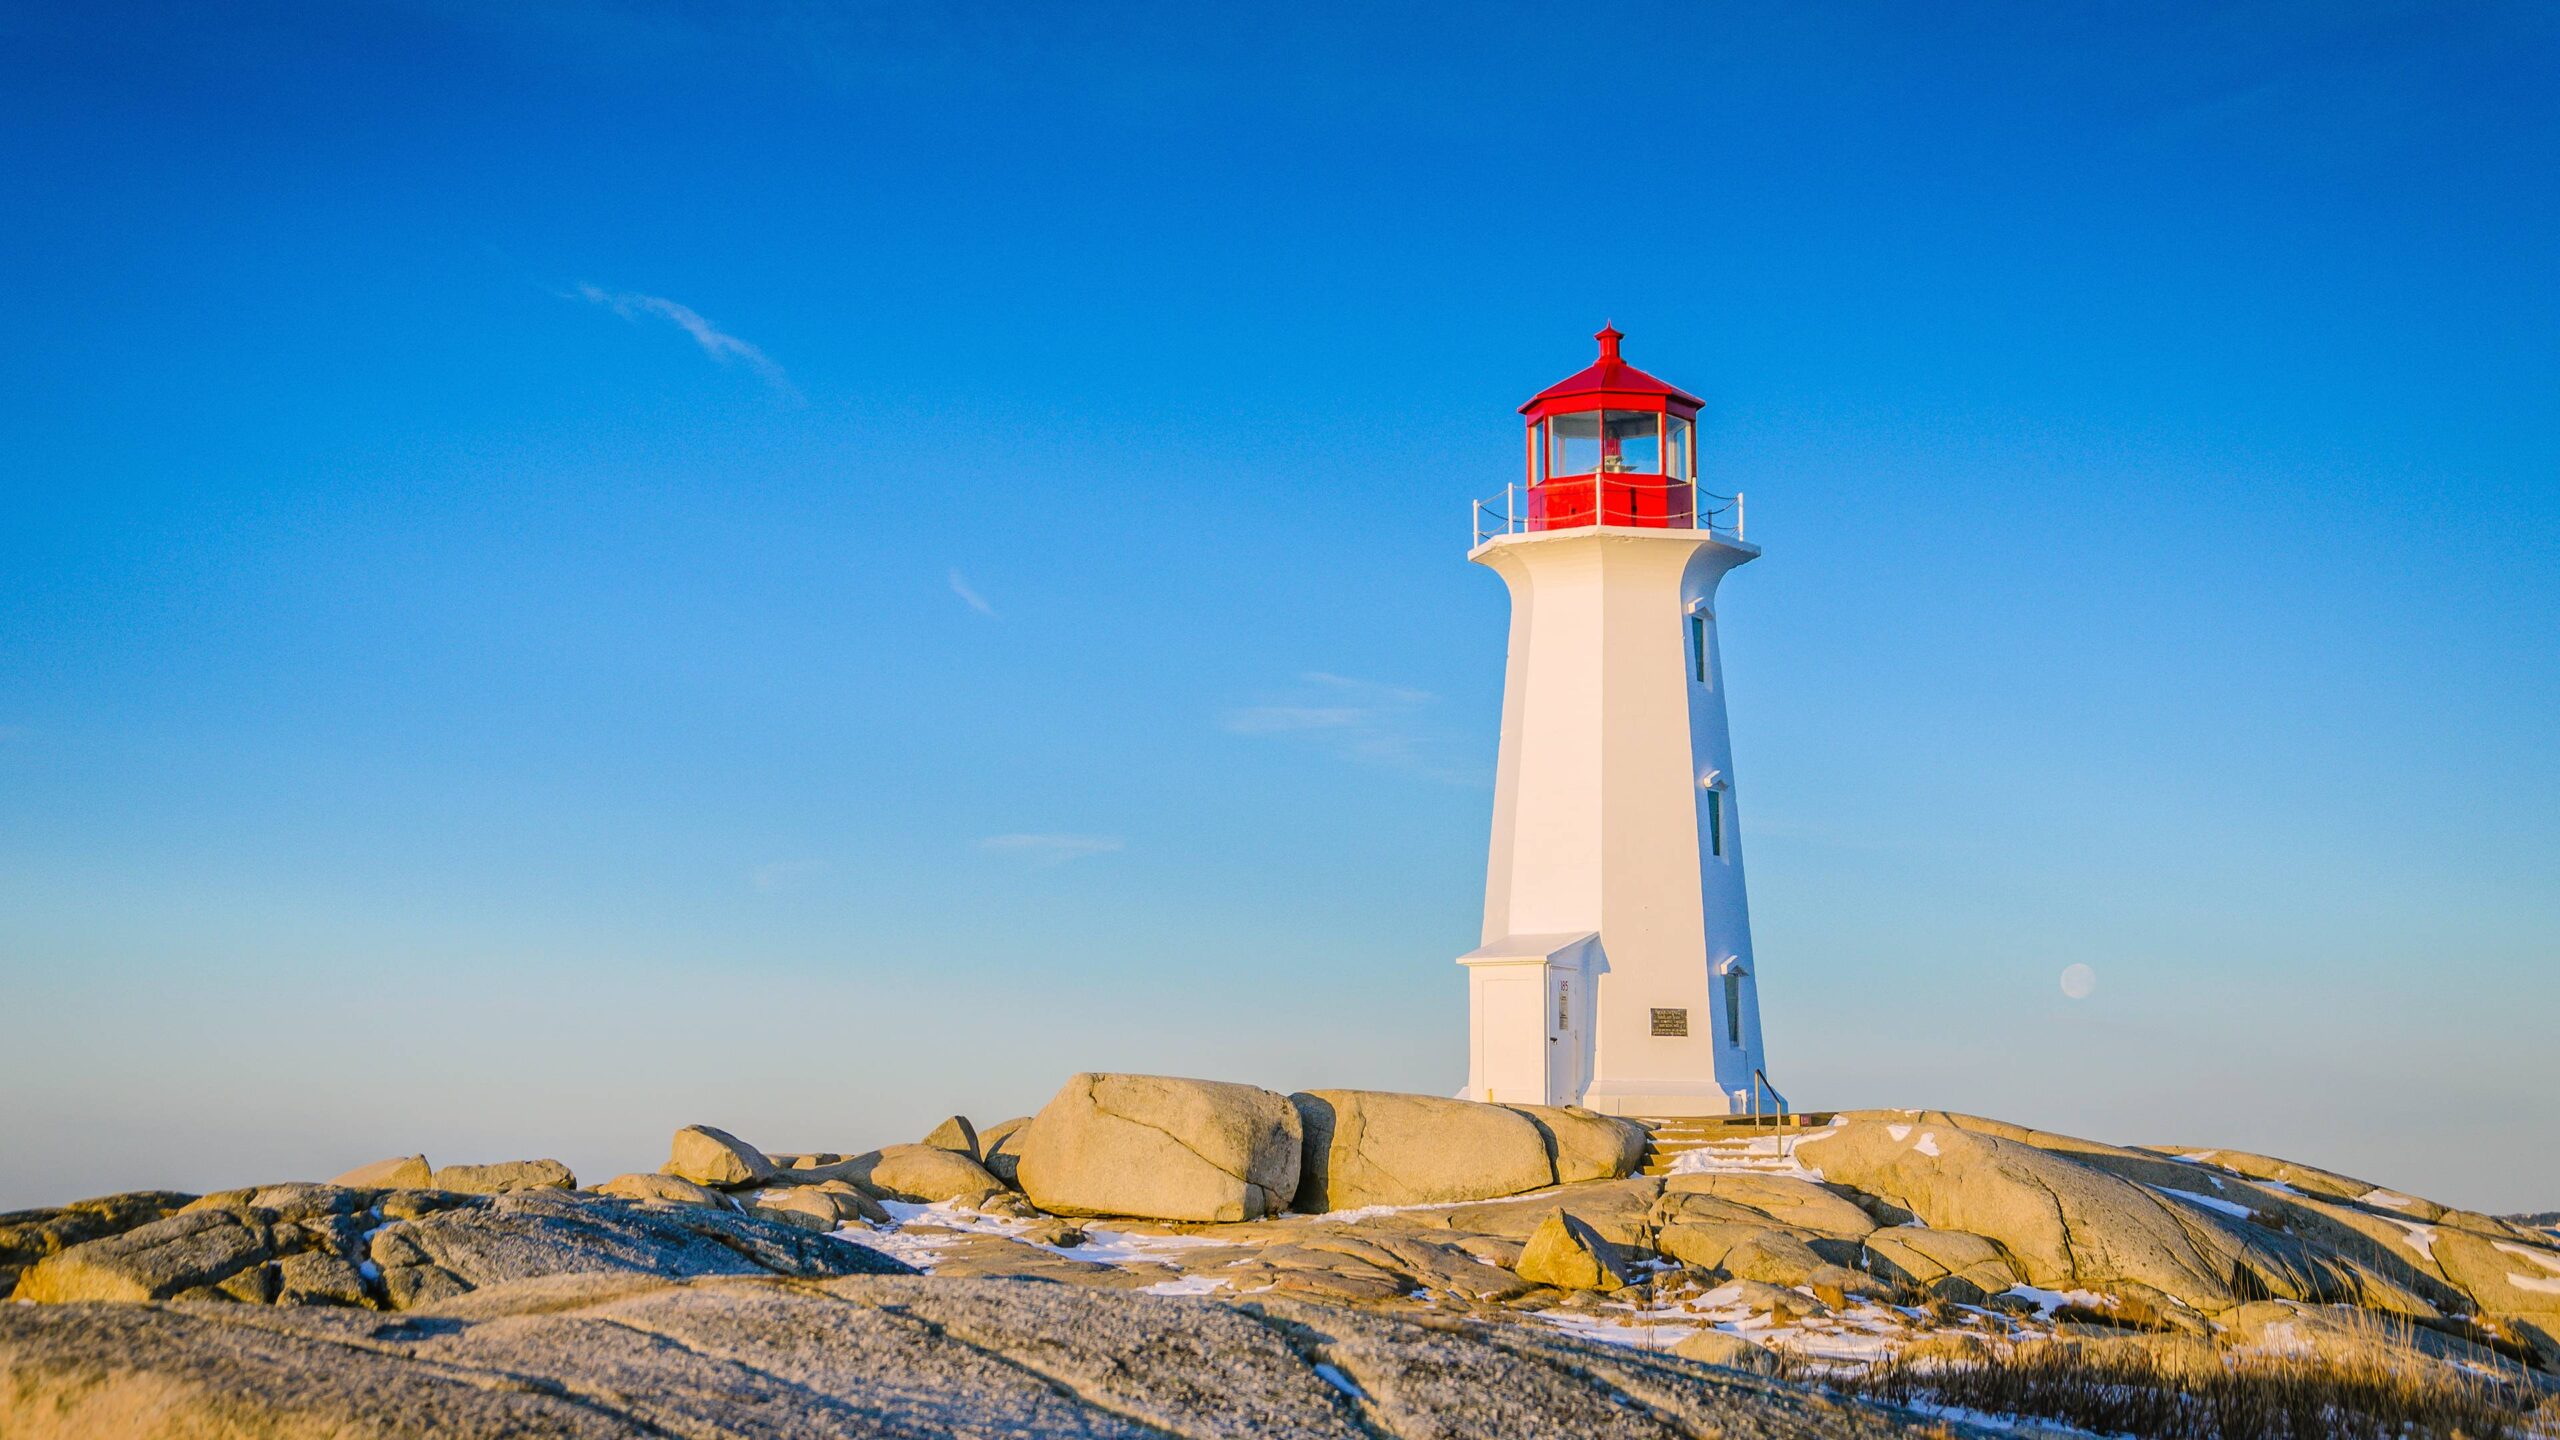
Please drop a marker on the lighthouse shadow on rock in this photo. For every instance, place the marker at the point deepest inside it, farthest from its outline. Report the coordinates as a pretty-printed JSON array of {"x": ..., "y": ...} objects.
[{"x": 1616, "y": 969}]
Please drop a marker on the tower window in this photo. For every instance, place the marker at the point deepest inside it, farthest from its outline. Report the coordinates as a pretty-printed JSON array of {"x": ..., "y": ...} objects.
[
  {"x": 1575, "y": 446},
  {"x": 1733, "y": 1005},
  {"x": 1715, "y": 822},
  {"x": 1698, "y": 648}
]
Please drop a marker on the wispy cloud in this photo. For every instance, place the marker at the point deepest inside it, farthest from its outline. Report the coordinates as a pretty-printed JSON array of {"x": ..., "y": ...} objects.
[
  {"x": 1052, "y": 849},
  {"x": 969, "y": 596},
  {"x": 717, "y": 343},
  {"x": 784, "y": 874},
  {"x": 1362, "y": 721}
]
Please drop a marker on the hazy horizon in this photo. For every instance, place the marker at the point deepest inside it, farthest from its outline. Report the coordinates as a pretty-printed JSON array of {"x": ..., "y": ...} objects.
[{"x": 579, "y": 569}]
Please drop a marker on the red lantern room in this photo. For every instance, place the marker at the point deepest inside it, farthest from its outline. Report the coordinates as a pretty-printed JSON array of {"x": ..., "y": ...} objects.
[{"x": 1613, "y": 446}]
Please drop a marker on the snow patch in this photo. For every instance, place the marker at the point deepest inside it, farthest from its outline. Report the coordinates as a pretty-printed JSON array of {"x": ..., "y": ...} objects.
[
  {"x": 1339, "y": 1381},
  {"x": 1899, "y": 1133},
  {"x": 937, "y": 1226},
  {"x": 1187, "y": 1285},
  {"x": 2048, "y": 1301},
  {"x": 2533, "y": 1284},
  {"x": 2543, "y": 1258},
  {"x": 2422, "y": 1238},
  {"x": 2388, "y": 1200},
  {"x": 1927, "y": 1144},
  {"x": 2212, "y": 1202}
]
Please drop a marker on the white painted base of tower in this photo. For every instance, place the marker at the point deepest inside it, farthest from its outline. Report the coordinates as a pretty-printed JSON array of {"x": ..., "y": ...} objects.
[{"x": 1616, "y": 971}]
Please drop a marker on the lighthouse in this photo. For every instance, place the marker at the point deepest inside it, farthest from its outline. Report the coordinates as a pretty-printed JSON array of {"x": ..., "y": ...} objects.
[{"x": 1616, "y": 969}]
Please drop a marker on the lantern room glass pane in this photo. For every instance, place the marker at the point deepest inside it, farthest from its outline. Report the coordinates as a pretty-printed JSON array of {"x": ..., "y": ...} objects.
[
  {"x": 1630, "y": 441},
  {"x": 1683, "y": 462},
  {"x": 1537, "y": 453},
  {"x": 1575, "y": 450}
]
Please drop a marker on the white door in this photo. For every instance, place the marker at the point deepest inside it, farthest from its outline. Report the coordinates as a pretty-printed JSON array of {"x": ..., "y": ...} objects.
[
  {"x": 1566, "y": 1005},
  {"x": 1515, "y": 1038}
]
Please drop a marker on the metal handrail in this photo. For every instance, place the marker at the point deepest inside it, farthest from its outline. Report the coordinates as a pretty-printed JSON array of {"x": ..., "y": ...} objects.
[
  {"x": 1484, "y": 522},
  {"x": 1784, "y": 1115}
]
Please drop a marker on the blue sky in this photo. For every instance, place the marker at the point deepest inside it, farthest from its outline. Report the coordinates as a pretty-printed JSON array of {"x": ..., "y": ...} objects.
[{"x": 578, "y": 568}]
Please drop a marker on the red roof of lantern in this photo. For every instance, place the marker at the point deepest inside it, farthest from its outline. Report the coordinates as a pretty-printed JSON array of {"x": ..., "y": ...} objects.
[{"x": 1610, "y": 378}]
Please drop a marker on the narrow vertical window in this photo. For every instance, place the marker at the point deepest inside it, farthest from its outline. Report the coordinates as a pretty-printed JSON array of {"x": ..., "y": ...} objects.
[
  {"x": 1732, "y": 1006},
  {"x": 1698, "y": 648},
  {"x": 1715, "y": 822}
]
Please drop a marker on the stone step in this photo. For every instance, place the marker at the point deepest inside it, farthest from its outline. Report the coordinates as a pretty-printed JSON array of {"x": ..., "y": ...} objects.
[{"x": 1744, "y": 1143}]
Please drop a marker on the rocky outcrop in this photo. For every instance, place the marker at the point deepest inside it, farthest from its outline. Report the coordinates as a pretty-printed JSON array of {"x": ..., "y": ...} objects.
[
  {"x": 401, "y": 1172},
  {"x": 2069, "y": 1225},
  {"x": 1165, "y": 1148},
  {"x": 187, "y": 1251},
  {"x": 708, "y": 1156},
  {"x": 624, "y": 1357},
  {"x": 1370, "y": 1147},
  {"x": 397, "y": 1249},
  {"x": 1753, "y": 1199},
  {"x": 506, "y": 1176},
  {"x": 27, "y": 1236},
  {"x": 1621, "y": 1210},
  {"x": 1950, "y": 1264}
]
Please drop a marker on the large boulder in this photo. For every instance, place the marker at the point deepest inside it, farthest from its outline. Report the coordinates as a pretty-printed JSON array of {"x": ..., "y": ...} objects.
[
  {"x": 709, "y": 1156},
  {"x": 1585, "y": 1144},
  {"x": 1569, "y": 1255},
  {"x": 808, "y": 1207},
  {"x": 505, "y": 1176},
  {"x": 1000, "y": 1149},
  {"x": 1162, "y": 1148},
  {"x": 919, "y": 1174},
  {"x": 956, "y": 1135},
  {"x": 665, "y": 1189},
  {"x": 401, "y": 1172},
  {"x": 1723, "y": 1347},
  {"x": 1369, "y": 1147}
]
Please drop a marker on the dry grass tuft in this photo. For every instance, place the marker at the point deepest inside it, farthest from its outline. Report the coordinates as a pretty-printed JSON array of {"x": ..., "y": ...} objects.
[{"x": 2245, "y": 1398}]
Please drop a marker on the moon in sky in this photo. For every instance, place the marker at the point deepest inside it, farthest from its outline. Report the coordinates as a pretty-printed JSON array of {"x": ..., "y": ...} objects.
[{"x": 2078, "y": 981}]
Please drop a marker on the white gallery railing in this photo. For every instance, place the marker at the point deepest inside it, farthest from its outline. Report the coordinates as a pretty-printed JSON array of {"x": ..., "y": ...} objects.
[{"x": 1573, "y": 502}]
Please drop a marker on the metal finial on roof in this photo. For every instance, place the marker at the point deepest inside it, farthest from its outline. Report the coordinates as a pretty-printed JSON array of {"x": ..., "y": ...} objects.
[{"x": 1608, "y": 338}]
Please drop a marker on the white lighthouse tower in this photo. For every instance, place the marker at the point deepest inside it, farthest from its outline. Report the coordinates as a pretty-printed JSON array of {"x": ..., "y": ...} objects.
[{"x": 1616, "y": 969}]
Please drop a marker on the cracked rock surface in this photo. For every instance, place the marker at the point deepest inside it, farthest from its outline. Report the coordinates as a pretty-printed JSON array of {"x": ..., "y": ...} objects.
[
  {"x": 585, "y": 1357},
  {"x": 400, "y": 1249}
]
